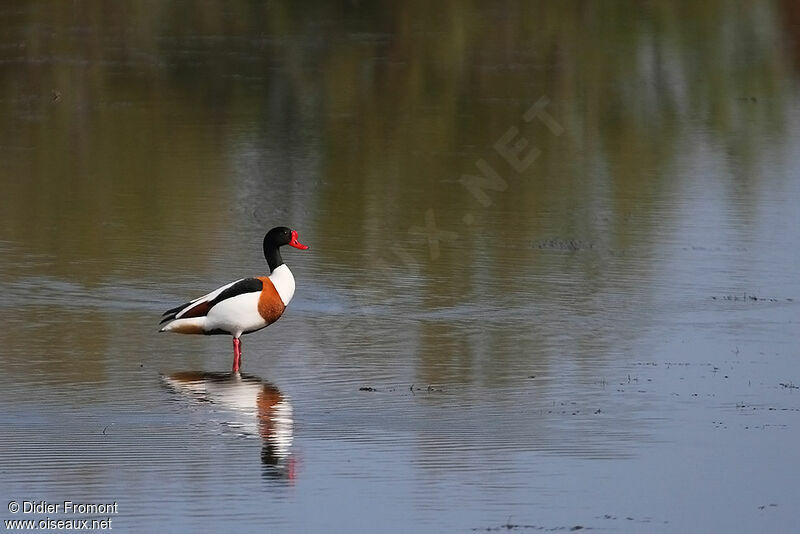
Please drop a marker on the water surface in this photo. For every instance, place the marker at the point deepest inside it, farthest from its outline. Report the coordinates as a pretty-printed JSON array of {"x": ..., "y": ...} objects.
[{"x": 601, "y": 334}]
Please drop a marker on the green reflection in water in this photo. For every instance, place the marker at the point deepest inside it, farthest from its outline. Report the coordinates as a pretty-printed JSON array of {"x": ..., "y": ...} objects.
[{"x": 126, "y": 131}]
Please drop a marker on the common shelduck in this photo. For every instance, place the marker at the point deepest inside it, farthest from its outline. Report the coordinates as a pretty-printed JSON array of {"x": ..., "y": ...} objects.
[{"x": 243, "y": 306}]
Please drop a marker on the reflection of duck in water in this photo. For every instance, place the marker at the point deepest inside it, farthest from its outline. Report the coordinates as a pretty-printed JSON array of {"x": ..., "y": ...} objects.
[
  {"x": 261, "y": 409},
  {"x": 243, "y": 306}
]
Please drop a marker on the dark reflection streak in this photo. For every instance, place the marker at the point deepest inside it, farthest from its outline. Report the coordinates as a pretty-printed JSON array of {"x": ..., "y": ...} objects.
[{"x": 259, "y": 402}]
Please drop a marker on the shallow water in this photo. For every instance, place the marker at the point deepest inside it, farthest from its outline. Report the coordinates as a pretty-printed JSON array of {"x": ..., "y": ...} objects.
[{"x": 604, "y": 336}]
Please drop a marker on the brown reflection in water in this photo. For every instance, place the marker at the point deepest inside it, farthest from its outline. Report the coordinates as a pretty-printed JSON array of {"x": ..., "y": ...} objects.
[
  {"x": 135, "y": 170},
  {"x": 402, "y": 100},
  {"x": 255, "y": 406},
  {"x": 790, "y": 18}
]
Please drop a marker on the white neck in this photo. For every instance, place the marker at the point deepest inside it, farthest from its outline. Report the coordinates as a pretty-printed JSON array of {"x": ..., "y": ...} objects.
[{"x": 283, "y": 281}]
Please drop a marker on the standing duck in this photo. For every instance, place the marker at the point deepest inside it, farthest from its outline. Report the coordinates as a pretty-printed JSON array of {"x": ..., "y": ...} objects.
[{"x": 243, "y": 306}]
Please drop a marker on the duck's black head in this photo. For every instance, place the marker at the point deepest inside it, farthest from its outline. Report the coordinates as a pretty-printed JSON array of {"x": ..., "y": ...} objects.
[{"x": 276, "y": 238}]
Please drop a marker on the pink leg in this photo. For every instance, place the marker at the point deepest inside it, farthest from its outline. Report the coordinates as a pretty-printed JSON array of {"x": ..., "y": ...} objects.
[{"x": 237, "y": 355}]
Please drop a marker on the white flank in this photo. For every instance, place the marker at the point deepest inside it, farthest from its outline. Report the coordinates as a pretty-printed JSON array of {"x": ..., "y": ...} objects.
[
  {"x": 283, "y": 280},
  {"x": 236, "y": 315}
]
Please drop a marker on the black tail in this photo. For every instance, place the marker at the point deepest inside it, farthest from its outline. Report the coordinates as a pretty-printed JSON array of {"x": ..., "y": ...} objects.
[{"x": 169, "y": 315}]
